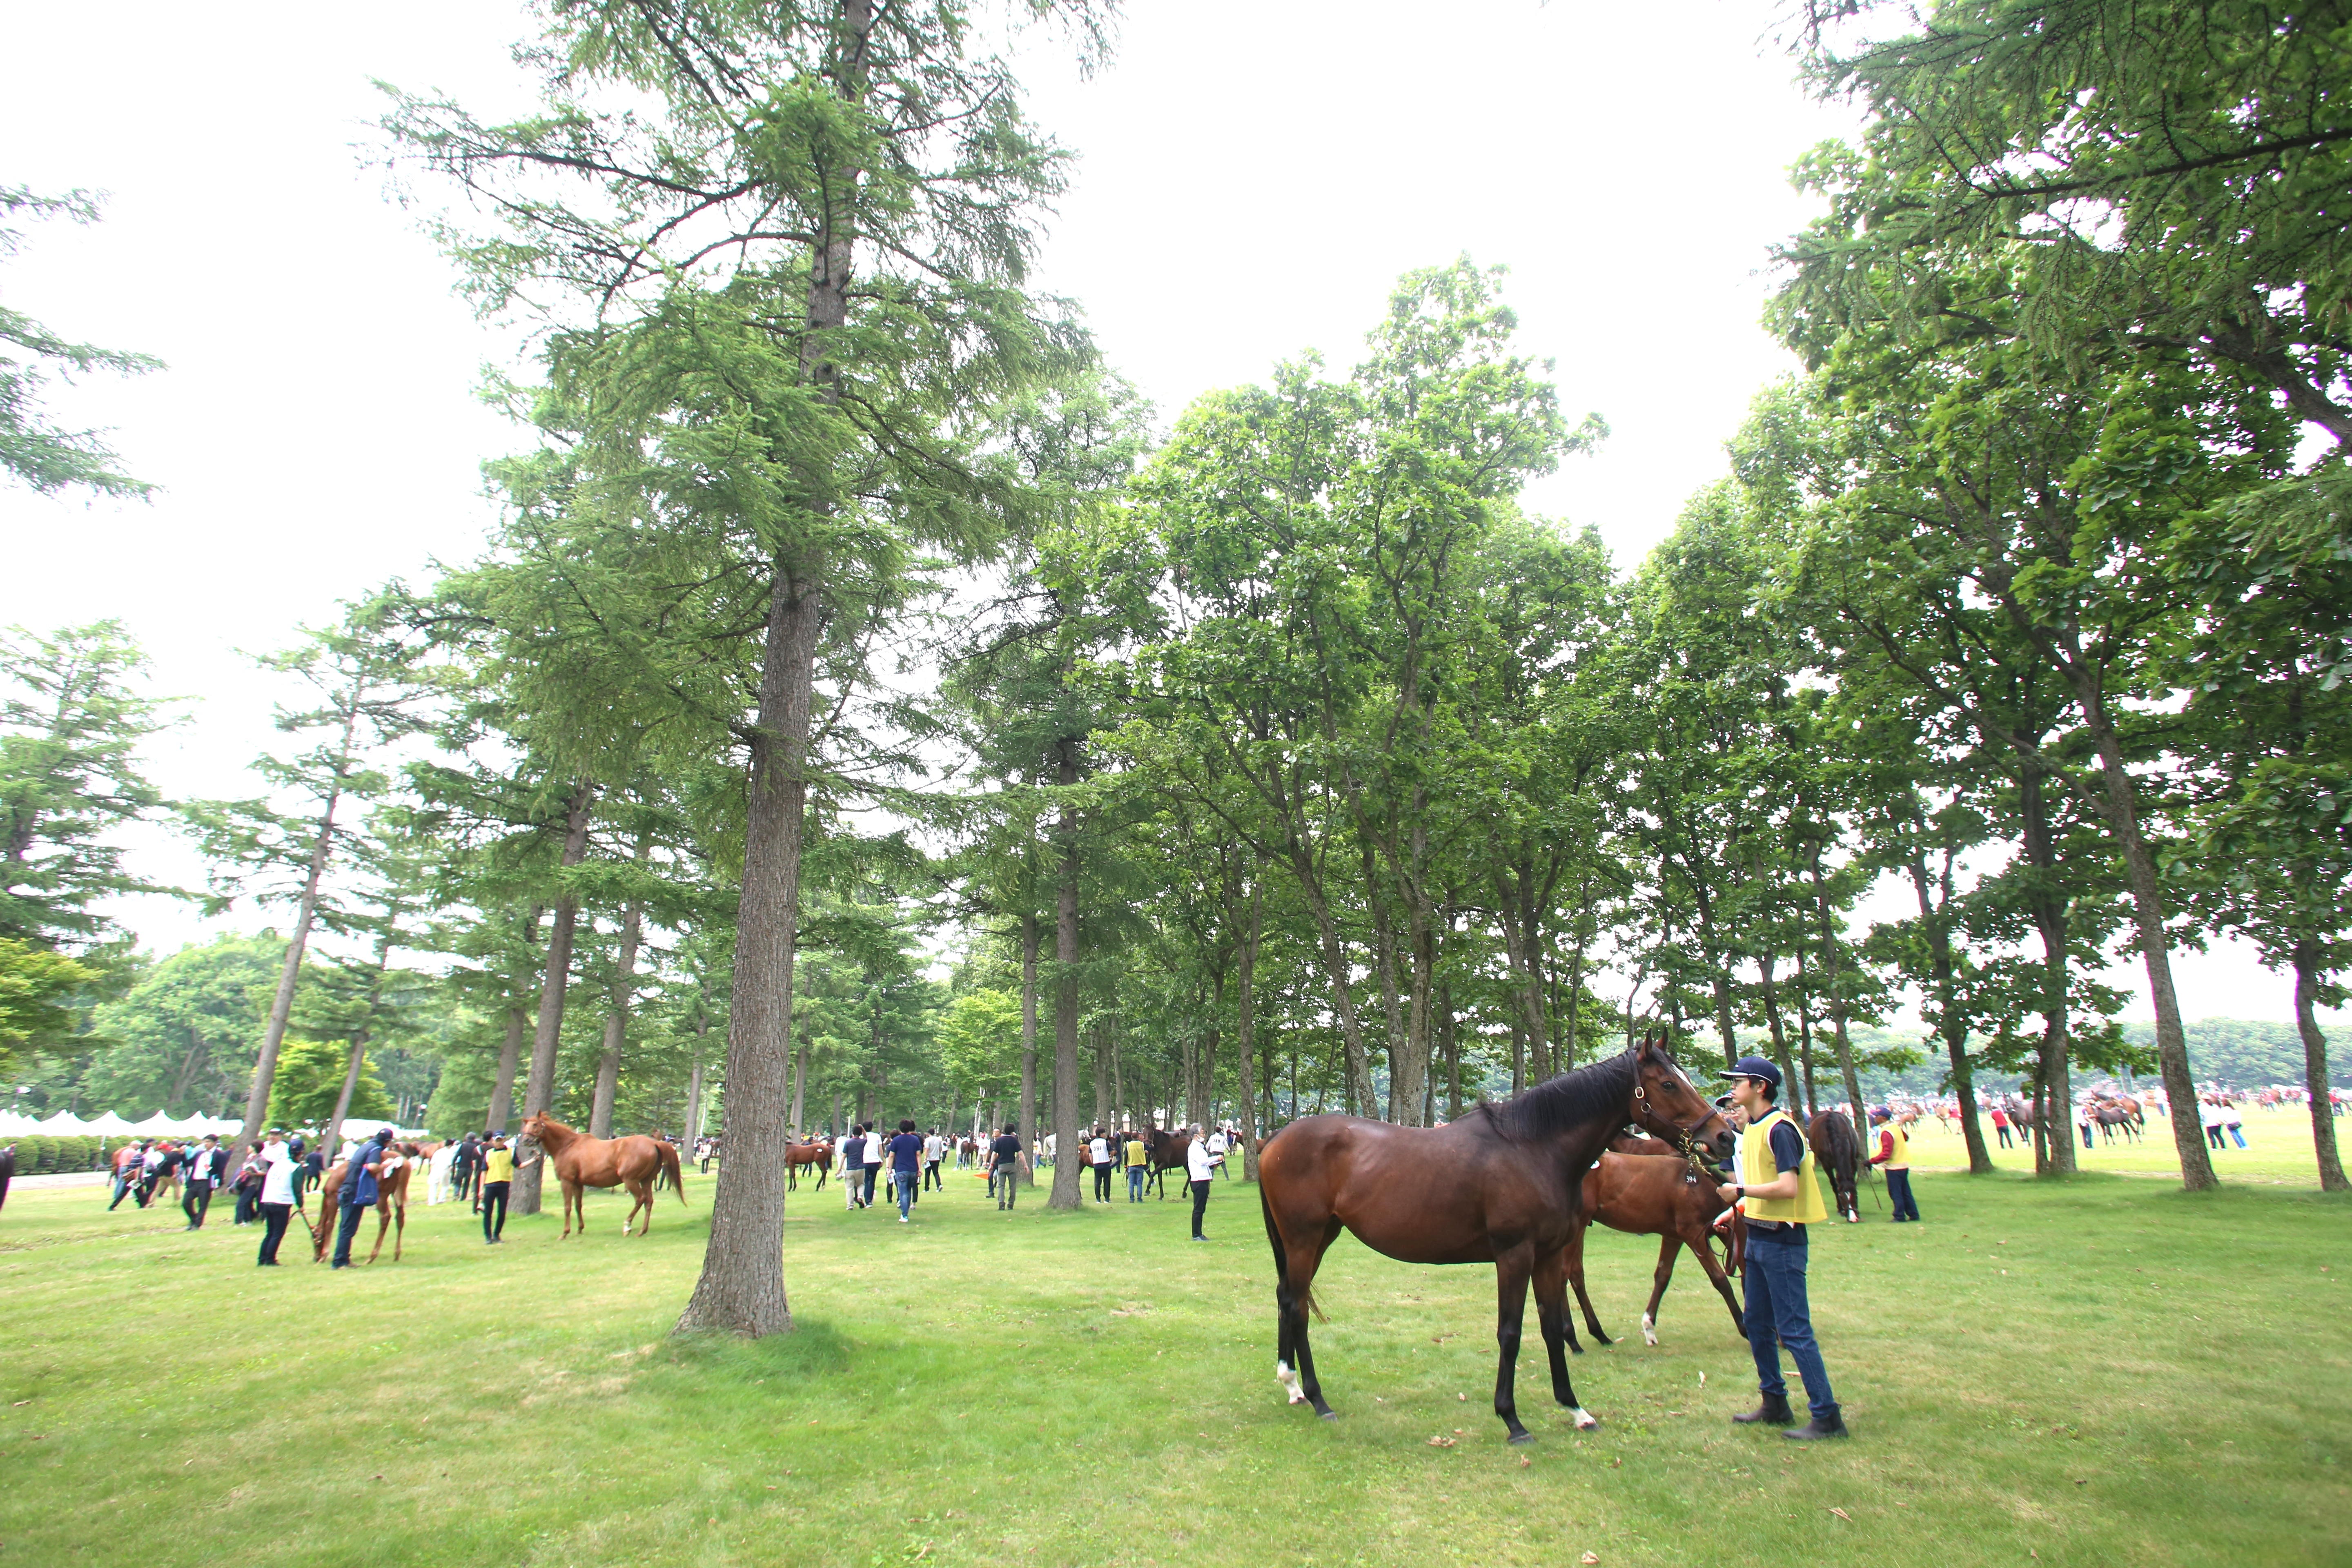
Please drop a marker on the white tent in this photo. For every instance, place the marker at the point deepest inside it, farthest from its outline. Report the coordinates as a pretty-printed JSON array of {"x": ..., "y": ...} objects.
[
  {"x": 66, "y": 1124},
  {"x": 105, "y": 1125},
  {"x": 156, "y": 1126},
  {"x": 14, "y": 1124}
]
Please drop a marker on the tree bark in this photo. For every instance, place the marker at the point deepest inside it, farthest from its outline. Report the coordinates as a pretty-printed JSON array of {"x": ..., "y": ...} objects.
[
  {"x": 2147, "y": 915},
  {"x": 1028, "y": 1177},
  {"x": 2315, "y": 1068},
  {"x": 1837, "y": 999},
  {"x": 1065, "y": 1191},
  {"x": 1246, "y": 1030},
  {"x": 539, "y": 1089}
]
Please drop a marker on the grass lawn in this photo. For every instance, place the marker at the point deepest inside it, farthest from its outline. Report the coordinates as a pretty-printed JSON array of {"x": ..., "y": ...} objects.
[
  {"x": 2277, "y": 1151},
  {"x": 2110, "y": 1372}
]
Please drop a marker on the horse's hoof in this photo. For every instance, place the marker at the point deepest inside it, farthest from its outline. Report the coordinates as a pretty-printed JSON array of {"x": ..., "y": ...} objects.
[
  {"x": 1327, "y": 1414},
  {"x": 1519, "y": 1439},
  {"x": 1574, "y": 1349},
  {"x": 1586, "y": 1420},
  {"x": 1600, "y": 1339}
]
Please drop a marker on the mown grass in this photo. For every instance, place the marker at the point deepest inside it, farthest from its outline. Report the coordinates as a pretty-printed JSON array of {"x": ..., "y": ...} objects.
[
  {"x": 2277, "y": 1151},
  {"x": 2110, "y": 1371}
]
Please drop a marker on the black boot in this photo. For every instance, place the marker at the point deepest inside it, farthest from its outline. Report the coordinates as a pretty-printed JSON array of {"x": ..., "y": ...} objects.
[
  {"x": 1830, "y": 1426},
  {"x": 1773, "y": 1412}
]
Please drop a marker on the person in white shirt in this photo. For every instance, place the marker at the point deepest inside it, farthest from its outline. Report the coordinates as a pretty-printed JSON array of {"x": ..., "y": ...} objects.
[
  {"x": 935, "y": 1149},
  {"x": 437, "y": 1183},
  {"x": 277, "y": 1168},
  {"x": 1098, "y": 1159},
  {"x": 1201, "y": 1169},
  {"x": 1218, "y": 1146}
]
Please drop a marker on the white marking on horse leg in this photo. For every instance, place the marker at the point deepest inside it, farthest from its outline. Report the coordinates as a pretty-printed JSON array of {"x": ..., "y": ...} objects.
[
  {"x": 1585, "y": 1420},
  {"x": 1649, "y": 1330},
  {"x": 1283, "y": 1375}
]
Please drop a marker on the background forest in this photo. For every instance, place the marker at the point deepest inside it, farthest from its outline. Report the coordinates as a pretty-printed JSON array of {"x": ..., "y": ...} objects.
[{"x": 868, "y": 706}]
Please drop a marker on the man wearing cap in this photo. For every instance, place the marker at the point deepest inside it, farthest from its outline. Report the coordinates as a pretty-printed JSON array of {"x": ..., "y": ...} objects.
[
  {"x": 1895, "y": 1156},
  {"x": 1780, "y": 1198}
]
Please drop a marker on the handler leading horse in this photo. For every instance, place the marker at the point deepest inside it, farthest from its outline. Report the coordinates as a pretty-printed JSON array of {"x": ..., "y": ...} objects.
[
  {"x": 638, "y": 1161},
  {"x": 1500, "y": 1185}
]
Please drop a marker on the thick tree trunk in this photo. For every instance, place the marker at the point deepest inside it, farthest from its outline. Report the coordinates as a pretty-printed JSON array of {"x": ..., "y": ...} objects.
[
  {"x": 2147, "y": 915},
  {"x": 1065, "y": 1194},
  {"x": 1527, "y": 986},
  {"x": 616, "y": 1018},
  {"x": 1245, "y": 1032},
  {"x": 1412, "y": 1093},
  {"x": 1028, "y": 1035},
  {"x": 742, "y": 1287},
  {"x": 1729, "y": 1036},
  {"x": 2315, "y": 1068},
  {"x": 539, "y": 1089}
]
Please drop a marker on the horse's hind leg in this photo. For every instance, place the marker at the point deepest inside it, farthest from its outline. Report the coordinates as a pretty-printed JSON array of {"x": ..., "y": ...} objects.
[
  {"x": 1575, "y": 1275},
  {"x": 1721, "y": 1281},
  {"x": 1293, "y": 1282},
  {"x": 1551, "y": 1316},
  {"x": 1663, "y": 1276},
  {"x": 643, "y": 1193}
]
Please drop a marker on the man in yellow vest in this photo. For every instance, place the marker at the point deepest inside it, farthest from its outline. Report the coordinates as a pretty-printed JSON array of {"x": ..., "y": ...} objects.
[
  {"x": 1895, "y": 1155},
  {"x": 1779, "y": 1197}
]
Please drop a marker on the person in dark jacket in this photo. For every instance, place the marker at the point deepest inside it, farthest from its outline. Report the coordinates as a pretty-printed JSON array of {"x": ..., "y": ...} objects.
[
  {"x": 205, "y": 1166},
  {"x": 362, "y": 1171}
]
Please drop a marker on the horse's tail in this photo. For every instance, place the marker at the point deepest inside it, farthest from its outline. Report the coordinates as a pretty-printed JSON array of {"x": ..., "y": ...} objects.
[
  {"x": 668, "y": 1172},
  {"x": 1282, "y": 1256}
]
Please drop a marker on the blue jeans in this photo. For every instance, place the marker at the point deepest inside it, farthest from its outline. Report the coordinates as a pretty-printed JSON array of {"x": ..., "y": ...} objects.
[
  {"x": 1775, "y": 1282},
  {"x": 905, "y": 1182},
  {"x": 1135, "y": 1184}
]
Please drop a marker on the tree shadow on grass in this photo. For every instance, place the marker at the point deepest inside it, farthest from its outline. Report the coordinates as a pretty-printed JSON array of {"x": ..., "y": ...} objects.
[{"x": 687, "y": 1363}]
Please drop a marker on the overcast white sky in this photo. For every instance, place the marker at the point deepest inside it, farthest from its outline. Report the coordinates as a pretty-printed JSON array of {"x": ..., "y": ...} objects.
[{"x": 1252, "y": 180}]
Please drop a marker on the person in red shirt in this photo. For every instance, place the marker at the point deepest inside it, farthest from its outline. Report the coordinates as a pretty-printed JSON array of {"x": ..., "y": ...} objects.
[{"x": 1895, "y": 1155}]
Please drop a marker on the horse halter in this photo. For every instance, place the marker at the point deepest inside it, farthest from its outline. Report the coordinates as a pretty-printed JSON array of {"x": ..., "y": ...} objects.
[{"x": 1685, "y": 1138}]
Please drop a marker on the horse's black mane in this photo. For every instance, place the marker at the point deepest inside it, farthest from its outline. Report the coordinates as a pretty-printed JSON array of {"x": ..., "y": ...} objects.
[{"x": 1572, "y": 1099}]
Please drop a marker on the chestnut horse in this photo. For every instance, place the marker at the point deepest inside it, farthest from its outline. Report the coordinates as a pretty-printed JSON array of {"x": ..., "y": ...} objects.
[
  {"x": 639, "y": 1163},
  {"x": 819, "y": 1154},
  {"x": 391, "y": 1205},
  {"x": 1667, "y": 1198},
  {"x": 1498, "y": 1186}
]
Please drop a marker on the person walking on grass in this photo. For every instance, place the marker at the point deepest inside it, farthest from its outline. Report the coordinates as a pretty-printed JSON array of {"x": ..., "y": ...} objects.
[
  {"x": 1007, "y": 1160},
  {"x": 2000, "y": 1125},
  {"x": 163, "y": 1172},
  {"x": 1199, "y": 1171},
  {"x": 935, "y": 1149},
  {"x": 853, "y": 1168},
  {"x": 1098, "y": 1160},
  {"x": 906, "y": 1166},
  {"x": 278, "y": 1169},
  {"x": 129, "y": 1165},
  {"x": 1138, "y": 1166},
  {"x": 1895, "y": 1156},
  {"x": 2208, "y": 1112},
  {"x": 204, "y": 1167},
  {"x": 1780, "y": 1198},
  {"x": 498, "y": 1181},
  {"x": 249, "y": 1186},
  {"x": 1218, "y": 1145}
]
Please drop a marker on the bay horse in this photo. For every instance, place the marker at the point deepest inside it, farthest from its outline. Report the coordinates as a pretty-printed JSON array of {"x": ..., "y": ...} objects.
[
  {"x": 819, "y": 1154},
  {"x": 391, "y": 1205},
  {"x": 2107, "y": 1115},
  {"x": 639, "y": 1163},
  {"x": 1164, "y": 1151},
  {"x": 1632, "y": 1191},
  {"x": 1838, "y": 1152},
  {"x": 1501, "y": 1185}
]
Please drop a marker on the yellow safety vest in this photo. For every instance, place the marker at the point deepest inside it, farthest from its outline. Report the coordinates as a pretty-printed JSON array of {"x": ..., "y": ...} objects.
[
  {"x": 1758, "y": 1168},
  {"x": 1135, "y": 1156},
  {"x": 498, "y": 1166},
  {"x": 1900, "y": 1158}
]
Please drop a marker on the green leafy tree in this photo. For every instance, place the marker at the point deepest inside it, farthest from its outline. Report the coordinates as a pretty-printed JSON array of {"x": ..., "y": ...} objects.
[
  {"x": 314, "y": 1089},
  {"x": 70, "y": 728},
  {"x": 35, "y": 988},
  {"x": 184, "y": 1036},
  {"x": 35, "y": 450}
]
